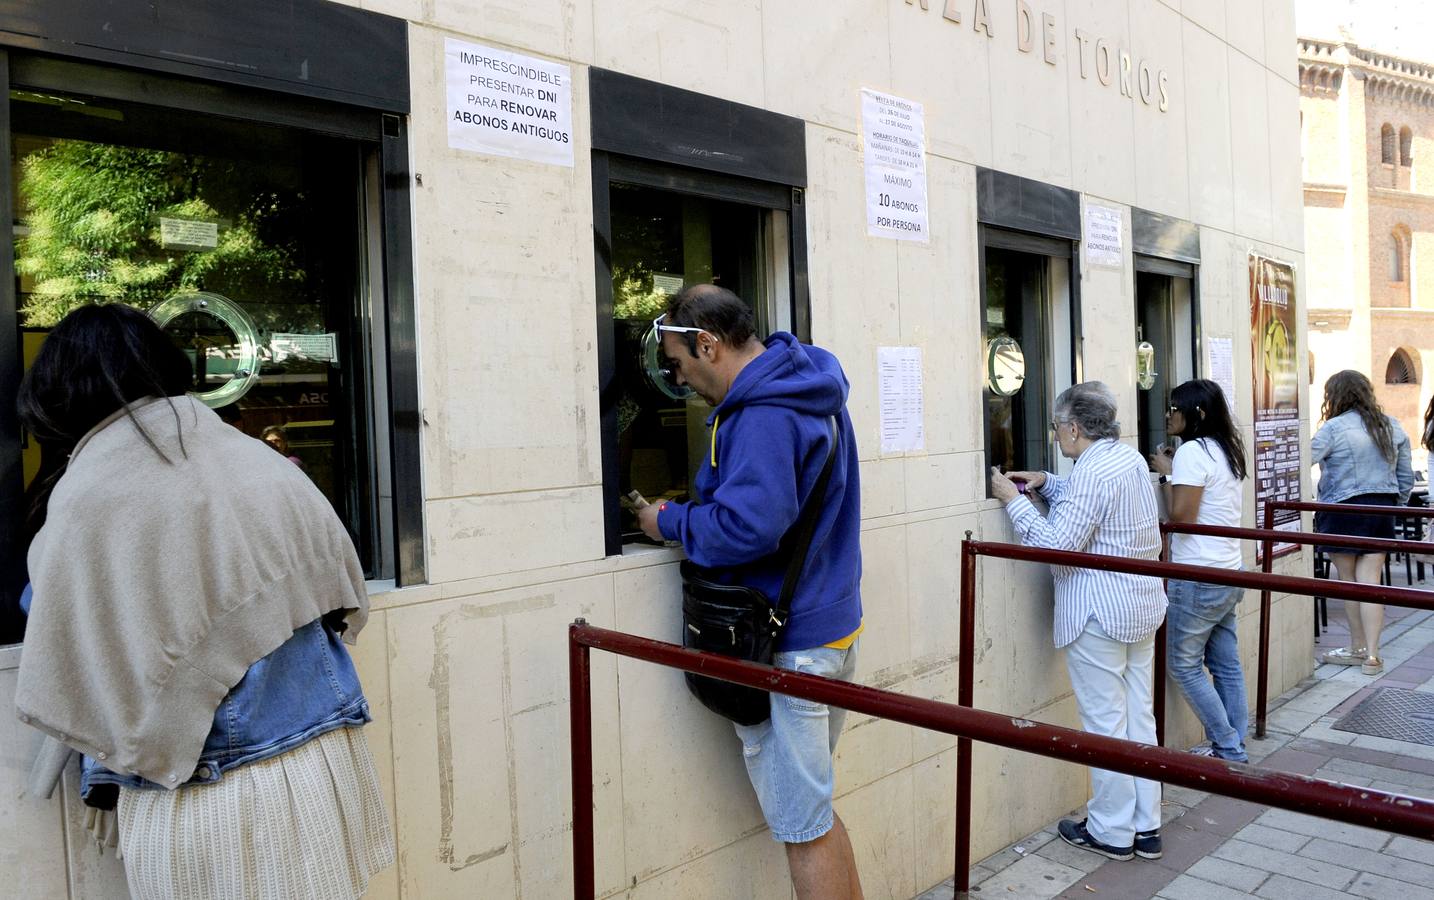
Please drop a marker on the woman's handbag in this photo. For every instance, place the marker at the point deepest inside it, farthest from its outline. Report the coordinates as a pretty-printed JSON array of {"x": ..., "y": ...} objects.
[{"x": 741, "y": 622}]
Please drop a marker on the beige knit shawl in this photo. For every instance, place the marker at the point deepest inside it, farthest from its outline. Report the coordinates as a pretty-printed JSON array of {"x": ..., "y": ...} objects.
[{"x": 159, "y": 579}]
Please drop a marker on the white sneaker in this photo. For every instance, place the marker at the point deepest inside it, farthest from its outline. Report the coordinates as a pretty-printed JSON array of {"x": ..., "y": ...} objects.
[{"x": 1203, "y": 750}]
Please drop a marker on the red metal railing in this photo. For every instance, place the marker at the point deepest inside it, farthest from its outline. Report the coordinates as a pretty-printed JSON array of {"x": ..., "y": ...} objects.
[
  {"x": 1298, "y": 793},
  {"x": 1268, "y": 537},
  {"x": 1264, "y": 581}
]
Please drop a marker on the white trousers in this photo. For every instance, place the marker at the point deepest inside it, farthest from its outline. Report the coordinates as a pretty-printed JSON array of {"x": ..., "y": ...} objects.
[{"x": 1113, "y": 685}]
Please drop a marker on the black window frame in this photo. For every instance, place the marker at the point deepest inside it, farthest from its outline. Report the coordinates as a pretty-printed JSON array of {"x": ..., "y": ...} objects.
[
  {"x": 659, "y": 136},
  {"x": 1015, "y": 213},
  {"x": 1165, "y": 245},
  {"x": 376, "y": 121}
]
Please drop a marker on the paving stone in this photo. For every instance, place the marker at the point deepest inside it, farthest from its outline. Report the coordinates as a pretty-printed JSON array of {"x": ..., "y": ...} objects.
[
  {"x": 1225, "y": 815},
  {"x": 1187, "y": 887},
  {"x": 1137, "y": 878},
  {"x": 1033, "y": 877},
  {"x": 1184, "y": 846},
  {"x": 1409, "y": 848},
  {"x": 1324, "y": 828},
  {"x": 1292, "y": 760},
  {"x": 1081, "y": 860},
  {"x": 1368, "y": 861},
  {"x": 1274, "y": 838},
  {"x": 1008, "y": 856},
  {"x": 1230, "y": 874},
  {"x": 1382, "y": 773},
  {"x": 1391, "y": 787},
  {"x": 1380, "y": 888},
  {"x": 1282, "y": 887},
  {"x": 1300, "y": 867}
]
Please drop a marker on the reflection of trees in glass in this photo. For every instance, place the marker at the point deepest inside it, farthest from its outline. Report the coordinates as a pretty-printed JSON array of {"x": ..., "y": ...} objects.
[
  {"x": 93, "y": 210},
  {"x": 646, "y": 240}
]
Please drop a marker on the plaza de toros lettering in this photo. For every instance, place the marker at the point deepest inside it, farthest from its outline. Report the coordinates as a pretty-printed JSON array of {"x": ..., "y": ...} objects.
[{"x": 1108, "y": 62}]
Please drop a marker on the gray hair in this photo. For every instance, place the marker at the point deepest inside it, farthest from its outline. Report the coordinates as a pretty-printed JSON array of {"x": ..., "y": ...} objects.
[{"x": 1090, "y": 405}]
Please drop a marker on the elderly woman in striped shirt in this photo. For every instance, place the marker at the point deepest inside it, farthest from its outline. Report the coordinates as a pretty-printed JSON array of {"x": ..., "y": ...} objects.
[{"x": 1106, "y": 621}]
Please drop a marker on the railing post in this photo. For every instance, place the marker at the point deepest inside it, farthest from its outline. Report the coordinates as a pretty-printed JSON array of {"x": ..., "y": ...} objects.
[
  {"x": 580, "y": 710},
  {"x": 1159, "y": 686},
  {"x": 965, "y": 696},
  {"x": 1262, "y": 670}
]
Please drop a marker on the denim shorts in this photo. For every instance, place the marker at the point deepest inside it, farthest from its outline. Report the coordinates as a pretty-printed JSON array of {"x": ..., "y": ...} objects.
[{"x": 789, "y": 756}]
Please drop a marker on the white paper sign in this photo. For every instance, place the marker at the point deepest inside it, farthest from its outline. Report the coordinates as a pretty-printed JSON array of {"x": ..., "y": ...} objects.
[
  {"x": 1102, "y": 236},
  {"x": 318, "y": 347},
  {"x": 903, "y": 419},
  {"x": 894, "y": 153},
  {"x": 188, "y": 234},
  {"x": 1222, "y": 367},
  {"x": 667, "y": 284},
  {"x": 508, "y": 104}
]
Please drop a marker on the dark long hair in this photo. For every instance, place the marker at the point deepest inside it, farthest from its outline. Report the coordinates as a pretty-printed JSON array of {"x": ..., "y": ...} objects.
[
  {"x": 98, "y": 360},
  {"x": 1207, "y": 415},
  {"x": 1350, "y": 390}
]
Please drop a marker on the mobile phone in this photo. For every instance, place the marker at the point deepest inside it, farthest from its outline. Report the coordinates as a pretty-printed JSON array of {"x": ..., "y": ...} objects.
[{"x": 637, "y": 500}]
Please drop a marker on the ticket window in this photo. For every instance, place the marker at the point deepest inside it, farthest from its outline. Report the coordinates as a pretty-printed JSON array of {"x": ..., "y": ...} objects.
[
  {"x": 1165, "y": 342},
  {"x": 663, "y": 240},
  {"x": 243, "y": 241},
  {"x": 1029, "y": 351}
]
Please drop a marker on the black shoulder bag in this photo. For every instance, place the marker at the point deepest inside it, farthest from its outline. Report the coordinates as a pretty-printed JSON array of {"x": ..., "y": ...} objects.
[{"x": 741, "y": 622}]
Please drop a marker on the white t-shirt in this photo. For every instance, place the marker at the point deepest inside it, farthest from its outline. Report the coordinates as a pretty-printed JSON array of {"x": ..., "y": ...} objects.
[{"x": 1201, "y": 463}]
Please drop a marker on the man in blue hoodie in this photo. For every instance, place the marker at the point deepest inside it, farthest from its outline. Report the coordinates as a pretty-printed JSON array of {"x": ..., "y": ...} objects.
[{"x": 770, "y": 433}]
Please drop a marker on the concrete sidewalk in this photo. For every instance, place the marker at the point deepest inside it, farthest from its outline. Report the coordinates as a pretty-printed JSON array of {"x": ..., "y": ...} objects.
[{"x": 1217, "y": 848}]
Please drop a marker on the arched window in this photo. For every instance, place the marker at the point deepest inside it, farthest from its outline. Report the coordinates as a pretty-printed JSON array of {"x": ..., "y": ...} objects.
[
  {"x": 1400, "y": 369},
  {"x": 1406, "y": 146},
  {"x": 1386, "y": 144},
  {"x": 1396, "y": 257}
]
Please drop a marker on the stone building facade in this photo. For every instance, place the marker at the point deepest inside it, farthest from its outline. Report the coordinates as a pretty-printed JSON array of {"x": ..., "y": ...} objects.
[
  {"x": 1367, "y": 128},
  {"x": 496, "y": 388}
]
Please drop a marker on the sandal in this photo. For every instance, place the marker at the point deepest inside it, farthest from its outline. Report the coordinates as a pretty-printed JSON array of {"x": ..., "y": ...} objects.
[
  {"x": 1346, "y": 656},
  {"x": 1372, "y": 666}
]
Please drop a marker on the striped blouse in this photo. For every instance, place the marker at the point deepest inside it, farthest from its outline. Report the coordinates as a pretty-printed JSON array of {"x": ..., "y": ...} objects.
[{"x": 1106, "y": 506}]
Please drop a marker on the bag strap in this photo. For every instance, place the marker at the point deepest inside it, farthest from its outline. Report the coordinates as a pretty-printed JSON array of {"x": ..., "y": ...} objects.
[{"x": 800, "y": 534}]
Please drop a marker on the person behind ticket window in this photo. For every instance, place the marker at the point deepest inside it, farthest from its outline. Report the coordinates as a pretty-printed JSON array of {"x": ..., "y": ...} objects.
[
  {"x": 230, "y": 738},
  {"x": 1106, "y": 621},
  {"x": 1363, "y": 459},
  {"x": 1202, "y": 484}
]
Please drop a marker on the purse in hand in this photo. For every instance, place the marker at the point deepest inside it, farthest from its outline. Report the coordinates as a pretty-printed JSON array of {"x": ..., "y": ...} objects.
[{"x": 742, "y": 622}]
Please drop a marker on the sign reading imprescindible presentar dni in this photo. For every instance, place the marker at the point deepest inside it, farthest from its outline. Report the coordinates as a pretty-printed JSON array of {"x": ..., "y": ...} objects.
[
  {"x": 508, "y": 104},
  {"x": 894, "y": 152}
]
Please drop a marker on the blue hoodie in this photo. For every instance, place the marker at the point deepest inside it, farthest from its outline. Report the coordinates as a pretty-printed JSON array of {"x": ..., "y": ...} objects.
[{"x": 777, "y": 413}]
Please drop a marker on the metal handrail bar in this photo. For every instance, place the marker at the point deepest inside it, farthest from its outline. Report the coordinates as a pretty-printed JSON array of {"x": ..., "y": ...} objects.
[
  {"x": 1357, "y": 508},
  {"x": 1263, "y": 581},
  {"x": 1268, "y": 537},
  {"x": 1381, "y": 545},
  {"x": 1298, "y": 793}
]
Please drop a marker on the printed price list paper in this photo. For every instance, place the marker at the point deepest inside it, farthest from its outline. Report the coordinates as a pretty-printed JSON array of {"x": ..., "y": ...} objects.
[
  {"x": 894, "y": 155},
  {"x": 903, "y": 417},
  {"x": 508, "y": 104}
]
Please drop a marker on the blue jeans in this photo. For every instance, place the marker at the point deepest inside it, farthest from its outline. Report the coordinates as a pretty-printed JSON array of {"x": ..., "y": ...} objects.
[
  {"x": 789, "y": 756},
  {"x": 1199, "y": 634}
]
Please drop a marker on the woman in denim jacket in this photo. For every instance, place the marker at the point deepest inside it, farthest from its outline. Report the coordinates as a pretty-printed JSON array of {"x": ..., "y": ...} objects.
[
  {"x": 188, "y": 581},
  {"x": 1202, "y": 484},
  {"x": 1363, "y": 457}
]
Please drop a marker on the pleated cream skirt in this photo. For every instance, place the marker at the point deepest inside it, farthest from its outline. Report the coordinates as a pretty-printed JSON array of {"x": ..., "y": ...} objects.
[{"x": 309, "y": 823}]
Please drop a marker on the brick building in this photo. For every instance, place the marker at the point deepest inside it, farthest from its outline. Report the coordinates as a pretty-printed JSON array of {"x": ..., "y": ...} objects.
[{"x": 1367, "y": 131}]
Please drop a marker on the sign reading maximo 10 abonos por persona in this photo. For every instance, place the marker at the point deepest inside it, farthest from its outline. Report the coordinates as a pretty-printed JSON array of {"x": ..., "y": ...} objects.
[
  {"x": 894, "y": 152},
  {"x": 508, "y": 104}
]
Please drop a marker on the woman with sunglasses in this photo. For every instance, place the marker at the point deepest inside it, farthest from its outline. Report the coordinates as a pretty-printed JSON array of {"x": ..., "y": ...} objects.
[
  {"x": 1363, "y": 459},
  {"x": 1201, "y": 483}
]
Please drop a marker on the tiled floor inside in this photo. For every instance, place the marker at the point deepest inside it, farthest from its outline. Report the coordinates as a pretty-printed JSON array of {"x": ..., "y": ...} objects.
[{"x": 1218, "y": 848}]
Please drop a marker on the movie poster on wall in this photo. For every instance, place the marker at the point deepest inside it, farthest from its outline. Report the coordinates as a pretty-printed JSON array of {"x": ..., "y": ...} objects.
[{"x": 1277, "y": 390}]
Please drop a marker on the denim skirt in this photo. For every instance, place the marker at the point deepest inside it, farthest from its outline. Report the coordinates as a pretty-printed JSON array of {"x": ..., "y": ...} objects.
[{"x": 1353, "y": 525}]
